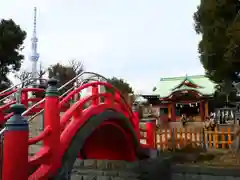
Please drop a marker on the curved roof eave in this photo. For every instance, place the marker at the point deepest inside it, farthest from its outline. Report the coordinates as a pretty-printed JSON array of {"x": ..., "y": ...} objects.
[
  {"x": 188, "y": 79},
  {"x": 188, "y": 89}
]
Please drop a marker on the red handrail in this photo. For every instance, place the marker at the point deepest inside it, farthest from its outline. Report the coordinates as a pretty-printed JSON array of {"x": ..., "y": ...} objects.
[
  {"x": 46, "y": 132},
  {"x": 27, "y": 100},
  {"x": 81, "y": 102},
  {"x": 77, "y": 90}
]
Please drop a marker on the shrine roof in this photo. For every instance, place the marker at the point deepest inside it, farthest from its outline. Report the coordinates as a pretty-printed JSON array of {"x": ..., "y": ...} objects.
[{"x": 199, "y": 83}]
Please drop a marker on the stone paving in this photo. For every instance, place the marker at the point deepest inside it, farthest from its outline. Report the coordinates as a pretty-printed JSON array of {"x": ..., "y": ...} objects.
[{"x": 35, "y": 128}]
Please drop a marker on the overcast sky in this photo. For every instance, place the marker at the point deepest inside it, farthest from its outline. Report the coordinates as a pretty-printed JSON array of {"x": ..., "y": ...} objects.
[{"x": 138, "y": 40}]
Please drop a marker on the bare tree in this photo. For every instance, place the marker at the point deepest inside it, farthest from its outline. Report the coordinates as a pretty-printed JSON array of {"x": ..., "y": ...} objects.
[
  {"x": 41, "y": 73},
  {"x": 23, "y": 76},
  {"x": 77, "y": 66}
]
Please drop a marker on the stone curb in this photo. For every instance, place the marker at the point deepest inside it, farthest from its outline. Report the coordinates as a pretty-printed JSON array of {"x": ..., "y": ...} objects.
[{"x": 215, "y": 171}]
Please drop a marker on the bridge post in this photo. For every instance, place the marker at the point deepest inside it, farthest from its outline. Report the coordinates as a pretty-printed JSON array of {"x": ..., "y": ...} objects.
[
  {"x": 15, "y": 146},
  {"x": 136, "y": 120},
  {"x": 52, "y": 119}
]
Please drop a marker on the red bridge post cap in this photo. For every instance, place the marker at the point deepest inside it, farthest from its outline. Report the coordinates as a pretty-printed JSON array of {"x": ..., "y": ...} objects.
[
  {"x": 52, "y": 87},
  {"x": 17, "y": 121},
  {"x": 17, "y": 108}
]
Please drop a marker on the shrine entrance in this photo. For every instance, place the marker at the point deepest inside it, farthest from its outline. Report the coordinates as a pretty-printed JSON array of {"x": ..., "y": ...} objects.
[
  {"x": 188, "y": 102},
  {"x": 191, "y": 110}
]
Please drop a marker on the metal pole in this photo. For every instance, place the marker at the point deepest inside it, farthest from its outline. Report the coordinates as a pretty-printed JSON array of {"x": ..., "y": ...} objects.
[{"x": 18, "y": 96}]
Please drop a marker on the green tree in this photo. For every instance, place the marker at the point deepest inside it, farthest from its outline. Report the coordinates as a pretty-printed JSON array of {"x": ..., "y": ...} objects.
[
  {"x": 225, "y": 94},
  {"x": 218, "y": 24},
  {"x": 66, "y": 73},
  {"x": 11, "y": 40},
  {"x": 121, "y": 85}
]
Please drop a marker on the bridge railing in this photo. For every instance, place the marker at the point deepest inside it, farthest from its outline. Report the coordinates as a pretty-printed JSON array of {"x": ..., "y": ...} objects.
[
  {"x": 15, "y": 90},
  {"x": 22, "y": 98},
  {"x": 66, "y": 98},
  {"x": 94, "y": 98},
  {"x": 77, "y": 81},
  {"x": 20, "y": 93},
  {"x": 97, "y": 97}
]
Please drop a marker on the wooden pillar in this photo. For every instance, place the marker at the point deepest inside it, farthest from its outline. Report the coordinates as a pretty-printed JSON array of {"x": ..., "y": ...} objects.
[
  {"x": 206, "y": 109},
  {"x": 202, "y": 110},
  {"x": 169, "y": 111},
  {"x": 173, "y": 111}
]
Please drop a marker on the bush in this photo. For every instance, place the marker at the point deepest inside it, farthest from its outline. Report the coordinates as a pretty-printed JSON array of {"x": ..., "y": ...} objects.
[
  {"x": 191, "y": 152},
  {"x": 189, "y": 147}
]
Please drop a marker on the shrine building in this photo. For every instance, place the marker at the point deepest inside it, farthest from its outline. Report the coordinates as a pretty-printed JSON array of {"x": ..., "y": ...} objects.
[{"x": 174, "y": 96}]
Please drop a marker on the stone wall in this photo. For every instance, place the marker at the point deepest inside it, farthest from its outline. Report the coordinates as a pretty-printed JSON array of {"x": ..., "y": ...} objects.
[
  {"x": 160, "y": 168},
  {"x": 155, "y": 169},
  {"x": 105, "y": 170},
  {"x": 151, "y": 169}
]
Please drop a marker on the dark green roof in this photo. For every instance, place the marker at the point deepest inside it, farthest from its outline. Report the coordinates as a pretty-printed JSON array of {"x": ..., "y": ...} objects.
[{"x": 169, "y": 85}]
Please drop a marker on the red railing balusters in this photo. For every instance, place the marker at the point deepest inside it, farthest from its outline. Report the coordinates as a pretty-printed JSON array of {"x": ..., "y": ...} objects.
[
  {"x": 95, "y": 92},
  {"x": 24, "y": 98}
]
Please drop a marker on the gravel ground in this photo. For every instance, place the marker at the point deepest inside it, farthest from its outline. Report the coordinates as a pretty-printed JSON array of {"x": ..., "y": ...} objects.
[{"x": 226, "y": 159}]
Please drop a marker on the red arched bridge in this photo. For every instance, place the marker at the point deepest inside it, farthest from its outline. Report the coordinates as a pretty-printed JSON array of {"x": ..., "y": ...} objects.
[{"x": 96, "y": 126}]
